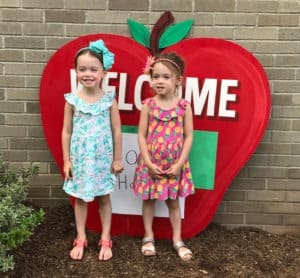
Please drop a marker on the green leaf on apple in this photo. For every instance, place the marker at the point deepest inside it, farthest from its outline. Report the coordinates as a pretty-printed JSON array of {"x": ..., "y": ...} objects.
[
  {"x": 139, "y": 32},
  {"x": 175, "y": 33}
]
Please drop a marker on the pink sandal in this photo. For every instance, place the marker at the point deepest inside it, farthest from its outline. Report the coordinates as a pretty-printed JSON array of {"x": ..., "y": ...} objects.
[
  {"x": 104, "y": 244},
  {"x": 79, "y": 243}
]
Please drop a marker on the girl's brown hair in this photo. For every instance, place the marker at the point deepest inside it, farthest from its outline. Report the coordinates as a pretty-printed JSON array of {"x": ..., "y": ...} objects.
[
  {"x": 172, "y": 61},
  {"x": 92, "y": 53}
]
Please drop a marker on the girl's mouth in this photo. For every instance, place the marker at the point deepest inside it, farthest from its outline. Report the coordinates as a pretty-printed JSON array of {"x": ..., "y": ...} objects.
[{"x": 88, "y": 80}]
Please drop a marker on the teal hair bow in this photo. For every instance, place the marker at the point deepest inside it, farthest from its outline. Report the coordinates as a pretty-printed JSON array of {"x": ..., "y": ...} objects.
[{"x": 107, "y": 56}]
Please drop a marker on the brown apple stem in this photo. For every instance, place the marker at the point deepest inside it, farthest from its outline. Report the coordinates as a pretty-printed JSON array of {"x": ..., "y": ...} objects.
[{"x": 162, "y": 23}]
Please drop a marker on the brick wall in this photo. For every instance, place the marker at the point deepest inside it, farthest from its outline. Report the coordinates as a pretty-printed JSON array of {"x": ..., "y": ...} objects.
[{"x": 265, "y": 194}]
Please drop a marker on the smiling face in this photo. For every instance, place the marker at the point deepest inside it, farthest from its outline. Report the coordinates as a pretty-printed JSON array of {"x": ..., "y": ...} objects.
[
  {"x": 89, "y": 71},
  {"x": 164, "y": 81}
]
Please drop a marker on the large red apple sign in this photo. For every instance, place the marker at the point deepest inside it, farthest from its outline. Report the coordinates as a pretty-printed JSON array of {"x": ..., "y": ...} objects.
[{"x": 207, "y": 60}]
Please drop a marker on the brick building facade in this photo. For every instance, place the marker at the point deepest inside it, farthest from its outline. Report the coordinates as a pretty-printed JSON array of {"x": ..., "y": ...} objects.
[{"x": 265, "y": 194}]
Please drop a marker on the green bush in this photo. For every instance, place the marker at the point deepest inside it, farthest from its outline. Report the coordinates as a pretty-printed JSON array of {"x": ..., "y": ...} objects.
[{"x": 17, "y": 220}]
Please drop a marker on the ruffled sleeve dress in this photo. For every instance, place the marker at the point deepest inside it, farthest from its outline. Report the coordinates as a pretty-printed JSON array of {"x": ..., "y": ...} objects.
[
  {"x": 91, "y": 148},
  {"x": 165, "y": 139}
]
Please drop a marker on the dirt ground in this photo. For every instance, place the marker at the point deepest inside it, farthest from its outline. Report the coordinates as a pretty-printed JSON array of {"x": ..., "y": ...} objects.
[{"x": 218, "y": 252}]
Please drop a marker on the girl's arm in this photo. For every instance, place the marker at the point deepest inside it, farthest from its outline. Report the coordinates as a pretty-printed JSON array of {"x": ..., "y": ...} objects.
[
  {"x": 154, "y": 170},
  {"x": 142, "y": 134},
  {"x": 117, "y": 166},
  {"x": 66, "y": 139},
  {"x": 187, "y": 144}
]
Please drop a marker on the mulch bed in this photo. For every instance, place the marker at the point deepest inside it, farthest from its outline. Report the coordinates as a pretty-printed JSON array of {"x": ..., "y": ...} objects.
[{"x": 218, "y": 252}]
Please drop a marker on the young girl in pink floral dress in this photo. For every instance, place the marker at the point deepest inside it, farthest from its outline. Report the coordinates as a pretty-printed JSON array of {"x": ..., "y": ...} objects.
[{"x": 165, "y": 136}]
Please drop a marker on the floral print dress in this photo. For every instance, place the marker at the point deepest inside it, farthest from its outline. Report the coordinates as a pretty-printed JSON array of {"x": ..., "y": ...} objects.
[
  {"x": 91, "y": 148},
  {"x": 164, "y": 142}
]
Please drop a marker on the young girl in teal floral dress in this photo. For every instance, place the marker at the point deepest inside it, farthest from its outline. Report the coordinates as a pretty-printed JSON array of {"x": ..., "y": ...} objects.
[
  {"x": 91, "y": 142},
  {"x": 165, "y": 136}
]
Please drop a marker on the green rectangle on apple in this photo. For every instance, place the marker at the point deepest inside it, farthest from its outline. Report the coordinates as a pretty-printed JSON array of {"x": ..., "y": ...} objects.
[
  {"x": 203, "y": 158},
  {"x": 129, "y": 129}
]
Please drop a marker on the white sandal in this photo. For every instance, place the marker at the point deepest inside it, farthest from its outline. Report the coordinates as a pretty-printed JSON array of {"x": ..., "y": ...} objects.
[
  {"x": 185, "y": 254},
  {"x": 148, "y": 250}
]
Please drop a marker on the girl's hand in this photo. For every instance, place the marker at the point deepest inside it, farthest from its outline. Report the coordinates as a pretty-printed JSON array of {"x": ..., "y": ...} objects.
[
  {"x": 174, "y": 170},
  {"x": 117, "y": 167},
  {"x": 155, "y": 171},
  {"x": 68, "y": 170}
]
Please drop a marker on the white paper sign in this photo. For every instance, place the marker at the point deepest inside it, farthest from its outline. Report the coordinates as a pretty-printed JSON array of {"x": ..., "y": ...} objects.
[{"x": 124, "y": 200}]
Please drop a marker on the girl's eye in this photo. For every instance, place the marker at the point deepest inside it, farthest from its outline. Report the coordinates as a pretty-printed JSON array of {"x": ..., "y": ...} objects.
[
  {"x": 165, "y": 76},
  {"x": 85, "y": 69}
]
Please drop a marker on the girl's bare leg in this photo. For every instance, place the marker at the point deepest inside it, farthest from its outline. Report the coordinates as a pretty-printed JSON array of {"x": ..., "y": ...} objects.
[
  {"x": 80, "y": 211},
  {"x": 105, "y": 212},
  {"x": 175, "y": 219},
  {"x": 148, "y": 214}
]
